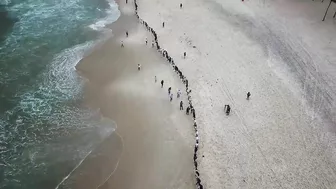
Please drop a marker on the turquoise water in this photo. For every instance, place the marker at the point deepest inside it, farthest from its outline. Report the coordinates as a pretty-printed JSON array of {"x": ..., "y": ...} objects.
[{"x": 45, "y": 130}]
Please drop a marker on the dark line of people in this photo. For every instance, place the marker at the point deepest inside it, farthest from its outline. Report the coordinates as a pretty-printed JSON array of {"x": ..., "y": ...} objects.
[{"x": 190, "y": 108}]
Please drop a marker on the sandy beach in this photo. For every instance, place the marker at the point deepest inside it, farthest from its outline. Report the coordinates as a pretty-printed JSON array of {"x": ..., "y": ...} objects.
[
  {"x": 156, "y": 137},
  {"x": 284, "y": 136}
]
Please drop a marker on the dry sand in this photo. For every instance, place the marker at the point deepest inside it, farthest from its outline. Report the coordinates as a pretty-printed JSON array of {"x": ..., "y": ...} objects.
[
  {"x": 157, "y": 138},
  {"x": 279, "y": 138}
]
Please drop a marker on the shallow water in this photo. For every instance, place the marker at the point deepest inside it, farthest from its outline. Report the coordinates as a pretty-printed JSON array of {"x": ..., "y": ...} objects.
[{"x": 45, "y": 130}]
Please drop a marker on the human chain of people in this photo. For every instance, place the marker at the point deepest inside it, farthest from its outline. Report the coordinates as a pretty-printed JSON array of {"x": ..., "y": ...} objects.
[{"x": 183, "y": 78}]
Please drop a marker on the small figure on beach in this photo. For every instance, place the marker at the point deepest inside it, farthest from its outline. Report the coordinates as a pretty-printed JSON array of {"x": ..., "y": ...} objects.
[
  {"x": 184, "y": 54},
  {"x": 180, "y": 5},
  {"x": 155, "y": 79},
  {"x": 126, "y": 33},
  {"x": 171, "y": 96},
  {"x": 181, "y": 105},
  {"x": 162, "y": 83},
  {"x": 152, "y": 44},
  {"x": 122, "y": 44},
  {"x": 169, "y": 90},
  {"x": 227, "y": 109},
  {"x": 248, "y": 96},
  {"x": 193, "y": 112},
  {"x": 163, "y": 24},
  {"x": 126, "y": 1},
  {"x": 187, "y": 111},
  {"x": 146, "y": 41},
  {"x": 139, "y": 67},
  {"x": 178, "y": 93}
]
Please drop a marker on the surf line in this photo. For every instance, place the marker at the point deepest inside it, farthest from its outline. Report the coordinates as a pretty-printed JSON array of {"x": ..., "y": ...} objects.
[
  {"x": 122, "y": 142},
  {"x": 65, "y": 178},
  {"x": 165, "y": 54}
]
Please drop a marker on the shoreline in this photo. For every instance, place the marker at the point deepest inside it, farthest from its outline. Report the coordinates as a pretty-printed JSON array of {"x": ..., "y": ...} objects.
[{"x": 113, "y": 86}]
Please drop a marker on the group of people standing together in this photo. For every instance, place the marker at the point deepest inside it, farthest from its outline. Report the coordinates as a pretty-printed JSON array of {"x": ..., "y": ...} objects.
[{"x": 190, "y": 108}]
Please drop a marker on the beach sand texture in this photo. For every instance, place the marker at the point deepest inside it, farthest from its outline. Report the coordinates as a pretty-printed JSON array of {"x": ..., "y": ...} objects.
[
  {"x": 157, "y": 137},
  {"x": 283, "y": 137}
]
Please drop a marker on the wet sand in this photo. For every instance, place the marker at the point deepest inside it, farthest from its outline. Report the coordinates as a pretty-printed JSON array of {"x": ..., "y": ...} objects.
[{"x": 156, "y": 137}]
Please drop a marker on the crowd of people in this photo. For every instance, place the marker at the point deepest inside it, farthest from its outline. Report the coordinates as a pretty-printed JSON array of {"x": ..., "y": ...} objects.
[{"x": 190, "y": 108}]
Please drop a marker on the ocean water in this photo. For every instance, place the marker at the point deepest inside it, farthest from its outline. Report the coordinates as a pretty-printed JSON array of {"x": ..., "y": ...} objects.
[{"x": 45, "y": 130}]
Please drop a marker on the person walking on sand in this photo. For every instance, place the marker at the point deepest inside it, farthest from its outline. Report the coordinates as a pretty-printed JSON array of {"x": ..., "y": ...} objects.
[
  {"x": 185, "y": 54},
  {"x": 180, "y": 5},
  {"x": 181, "y": 105},
  {"x": 171, "y": 97},
  {"x": 155, "y": 79},
  {"x": 248, "y": 96},
  {"x": 169, "y": 90},
  {"x": 178, "y": 93},
  {"x": 162, "y": 83},
  {"x": 126, "y": 33},
  {"x": 163, "y": 24},
  {"x": 139, "y": 67}
]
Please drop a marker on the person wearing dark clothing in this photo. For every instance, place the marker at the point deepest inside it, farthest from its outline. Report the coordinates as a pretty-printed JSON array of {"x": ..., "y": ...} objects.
[
  {"x": 126, "y": 1},
  {"x": 180, "y": 5},
  {"x": 126, "y": 33},
  {"x": 184, "y": 54},
  {"x": 248, "y": 95},
  {"x": 194, "y": 114},
  {"x": 181, "y": 105},
  {"x": 227, "y": 109},
  {"x": 163, "y": 24},
  {"x": 162, "y": 83},
  {"x": 186, "y": 83},
  {"x": 146, "y": 41},
  {"x": 187, "y": 111},
  {"x": 169, "y": 90}
]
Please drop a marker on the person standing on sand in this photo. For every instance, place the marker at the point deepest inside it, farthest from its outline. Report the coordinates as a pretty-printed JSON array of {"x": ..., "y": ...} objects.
[
  {"x": 126, "y": 33},
  {"x": 139, "y": 67},
  {"x": 126, "y": 1},
  {"x": 227, "y": 109},
  {"x": 171, "y": 96},
  {"x": 180, "y": 5},
  {"x": 155, "y": 79},
  {"x": 185, "y": 54},
  {"x": 181, "y": 105},
  {"x": 122, "y": 44},
  {"x": 248, "y": 96},
  {"x": 163, "y": 24},
  {"x": 169, "y": 90},
  {"x": 187, "y": 111},
  {"x": 146, "y": 41},
  {"x": 162, "y": 83}
]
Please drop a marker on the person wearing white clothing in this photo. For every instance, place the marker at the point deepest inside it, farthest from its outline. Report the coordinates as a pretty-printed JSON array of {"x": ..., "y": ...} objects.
[{"x": 179, "y": 93}]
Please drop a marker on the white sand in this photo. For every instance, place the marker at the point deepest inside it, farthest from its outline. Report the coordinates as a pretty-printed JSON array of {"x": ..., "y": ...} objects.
[{"x": 281, "y": 138}]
